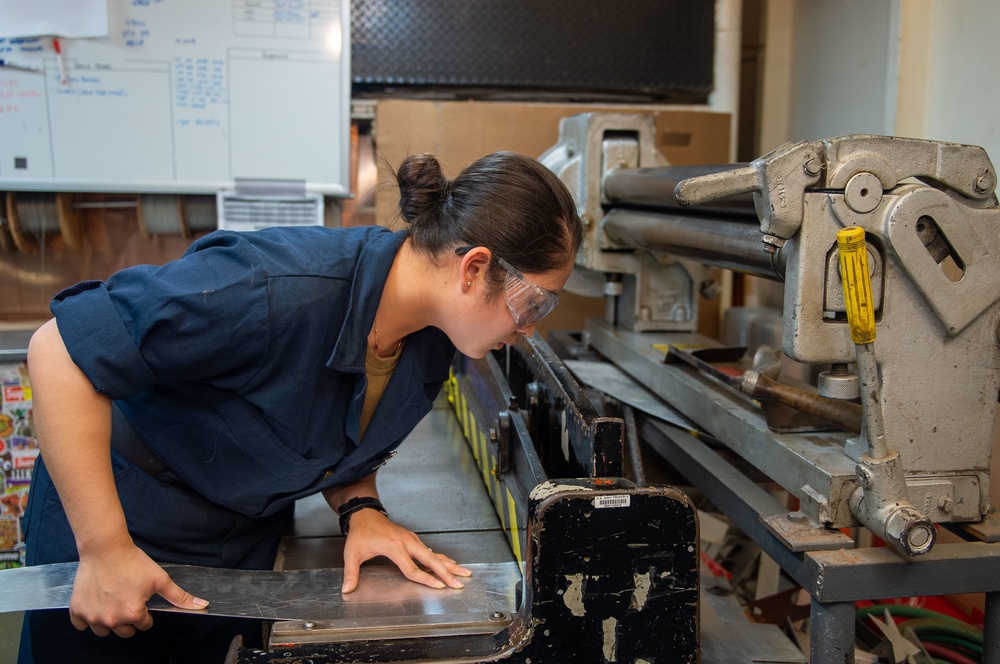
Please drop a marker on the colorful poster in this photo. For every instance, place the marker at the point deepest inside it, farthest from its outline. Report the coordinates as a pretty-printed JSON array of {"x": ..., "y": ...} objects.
[{"x": 18, "y": 451}]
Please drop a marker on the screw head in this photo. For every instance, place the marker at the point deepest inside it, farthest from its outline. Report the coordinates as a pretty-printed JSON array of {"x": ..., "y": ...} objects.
[{"x": 984, "y": 182}]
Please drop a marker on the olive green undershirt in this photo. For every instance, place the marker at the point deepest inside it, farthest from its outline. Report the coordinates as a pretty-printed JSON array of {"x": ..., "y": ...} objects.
[{"x": 379, "y": 371}]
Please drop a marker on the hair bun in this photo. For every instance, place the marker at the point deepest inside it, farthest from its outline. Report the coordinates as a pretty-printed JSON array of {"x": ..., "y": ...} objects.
[{"x": 422, "y": 186}]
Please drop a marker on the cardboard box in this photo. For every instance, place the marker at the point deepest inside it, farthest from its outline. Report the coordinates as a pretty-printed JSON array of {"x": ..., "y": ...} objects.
[{"x": 460, "y": 132}]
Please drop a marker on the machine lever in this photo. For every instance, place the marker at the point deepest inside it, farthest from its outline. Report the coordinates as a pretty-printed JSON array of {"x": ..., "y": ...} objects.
[
  {"x": 712, "y": 187},
  {"x": 780, "y": 179},
  {"x": 861, "y": 319},
  {"x": 843, "y": 414},
  {"x": 882, "y": 501}
]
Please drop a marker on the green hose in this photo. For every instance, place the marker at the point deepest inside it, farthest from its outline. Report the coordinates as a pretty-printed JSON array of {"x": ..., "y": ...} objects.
[
  {"x": 953, "y": 641},
  {"x": 950, "y": 627},
  {"x": 904, "y": 611},
  {"x": 930, "y": 625}
]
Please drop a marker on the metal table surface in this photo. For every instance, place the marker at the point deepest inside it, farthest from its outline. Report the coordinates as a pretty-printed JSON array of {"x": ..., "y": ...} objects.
[{"x": 434, "y": 488}]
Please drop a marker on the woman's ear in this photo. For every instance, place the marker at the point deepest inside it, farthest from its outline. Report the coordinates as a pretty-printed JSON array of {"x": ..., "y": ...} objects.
[{"x": 473, "y": 267}]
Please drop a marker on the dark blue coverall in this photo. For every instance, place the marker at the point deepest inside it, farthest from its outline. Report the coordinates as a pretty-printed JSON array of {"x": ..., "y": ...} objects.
[{"x": 242, "y": 366}]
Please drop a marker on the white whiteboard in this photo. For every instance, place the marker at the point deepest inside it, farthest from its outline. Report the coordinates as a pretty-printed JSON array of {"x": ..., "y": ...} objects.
[{"x": 183, "y": 96}]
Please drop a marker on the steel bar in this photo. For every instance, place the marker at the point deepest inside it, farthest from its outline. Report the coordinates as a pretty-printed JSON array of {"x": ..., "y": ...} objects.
[
  {"x": 844, "y": 414},
  {"x": 730, "y": 244},
  {"x": 881, "y": 573},
  {"x": 654, "y": 188}
]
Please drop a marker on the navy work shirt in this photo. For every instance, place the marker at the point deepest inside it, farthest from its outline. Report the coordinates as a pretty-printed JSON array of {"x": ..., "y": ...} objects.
[{"x": 242, "y": 364}]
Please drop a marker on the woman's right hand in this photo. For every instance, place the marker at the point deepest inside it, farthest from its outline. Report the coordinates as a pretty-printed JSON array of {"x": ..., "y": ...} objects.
[
  {"x": 112, "y": 587},
  {"x": 115, "y": 578}
]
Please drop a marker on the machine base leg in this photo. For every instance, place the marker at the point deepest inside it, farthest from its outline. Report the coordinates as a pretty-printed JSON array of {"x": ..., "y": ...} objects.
[
  {"x": 831, "y": 633},
  {"x": 991, "y": 629}
]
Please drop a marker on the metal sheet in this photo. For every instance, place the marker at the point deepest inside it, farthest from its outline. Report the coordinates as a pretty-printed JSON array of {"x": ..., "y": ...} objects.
[
  {"x": 611, "y": 380},
  {"x": 431, "y": 485},
  {"x": 302, "y": 595},
  {"x": 727, "y": 635},
  {"x": 482, "y": 546},
  {"x": 385, "y": 605},
  {"x": 42, "y": 587}
]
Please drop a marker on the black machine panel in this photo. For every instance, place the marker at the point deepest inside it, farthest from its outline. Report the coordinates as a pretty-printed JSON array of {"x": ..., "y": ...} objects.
[{"x": 645, "y": 49}]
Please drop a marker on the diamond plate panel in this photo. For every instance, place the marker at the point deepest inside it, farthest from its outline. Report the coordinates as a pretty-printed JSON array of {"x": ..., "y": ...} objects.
[{"x": 655, "y": 48}]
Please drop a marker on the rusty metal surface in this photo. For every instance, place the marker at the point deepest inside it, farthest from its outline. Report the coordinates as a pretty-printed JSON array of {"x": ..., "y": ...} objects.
[
  {"x": 987, "y": 530},
  {"x": 798, "y": 534}
]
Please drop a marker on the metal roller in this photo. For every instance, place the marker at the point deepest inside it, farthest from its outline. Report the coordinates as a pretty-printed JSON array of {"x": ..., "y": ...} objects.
[
  {"x": 200, "y": 214},
  {"x": 730, "y": 244},
  {"x": 654, "y": 188},
  {"x": 159, "y": 214},
  {"x": 33, "y": 217},
  {"x": 170, "y": 214}
]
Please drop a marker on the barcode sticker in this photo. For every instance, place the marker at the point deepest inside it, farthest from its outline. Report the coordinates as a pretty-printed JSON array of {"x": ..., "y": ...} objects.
[{"x": 612, "y": 501}]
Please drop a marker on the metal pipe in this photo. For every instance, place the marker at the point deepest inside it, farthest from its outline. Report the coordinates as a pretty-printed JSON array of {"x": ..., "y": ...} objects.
[
  {"x": 845, "y": 414},
  {"x": 612, "y": 289},
  {"x": 729, "y": 244},
  {"x": 654, "y": 188}
]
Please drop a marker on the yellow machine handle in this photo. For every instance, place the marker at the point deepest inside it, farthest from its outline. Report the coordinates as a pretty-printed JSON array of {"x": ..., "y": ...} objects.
[{"x": 857, "y": 284}]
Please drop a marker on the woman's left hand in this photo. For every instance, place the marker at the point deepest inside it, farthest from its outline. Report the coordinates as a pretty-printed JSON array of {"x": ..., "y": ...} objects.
[{"x": 373, "y": 534}]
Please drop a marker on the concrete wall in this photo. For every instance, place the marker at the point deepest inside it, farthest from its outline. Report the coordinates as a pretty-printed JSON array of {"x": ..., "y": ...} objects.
[
  {"x": 961, "y": 90},
  {"x": 920, "y": 68}
]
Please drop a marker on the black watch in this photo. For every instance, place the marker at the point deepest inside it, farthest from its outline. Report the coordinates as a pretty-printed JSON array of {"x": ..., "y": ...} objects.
[{"x": 355, "y": 504}]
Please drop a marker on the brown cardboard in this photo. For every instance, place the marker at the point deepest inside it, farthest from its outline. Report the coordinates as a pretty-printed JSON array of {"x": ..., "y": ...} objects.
[{"x": 460, "y": 132}]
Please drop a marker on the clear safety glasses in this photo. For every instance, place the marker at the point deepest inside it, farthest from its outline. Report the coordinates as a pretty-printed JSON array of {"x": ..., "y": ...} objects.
[{"x": 528, "y": 302}]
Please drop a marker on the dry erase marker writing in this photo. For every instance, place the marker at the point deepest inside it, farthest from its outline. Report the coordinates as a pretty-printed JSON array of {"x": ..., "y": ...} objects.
[
  {"x": 16, "y": 65},
  {"x": 62, "y": 63}
]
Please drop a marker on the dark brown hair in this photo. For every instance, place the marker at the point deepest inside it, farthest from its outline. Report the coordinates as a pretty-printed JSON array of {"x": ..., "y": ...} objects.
[{"x": 506, "y": 202}]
